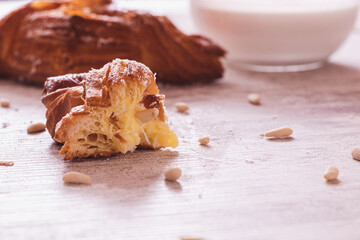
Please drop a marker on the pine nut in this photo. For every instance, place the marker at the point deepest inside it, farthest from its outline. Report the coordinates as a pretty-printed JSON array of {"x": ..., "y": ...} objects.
[
  {"x": 76, "y": 177},
  {"x": 147, "y": 115},
  {"x": 36, "y": 127},
  {"x": 254, "y": 98},
  {"x": 173, "y": 174},
  {"x": 181, "y": 106},
  {"x": 279, "y": 132},
  {"x": 355, "y": 153},
  {"x": 7, "y": 164},
  {"x": 331, "y": 173},
  {"x": 5, "y": 103},
  {"x": 204, "y": 141}
]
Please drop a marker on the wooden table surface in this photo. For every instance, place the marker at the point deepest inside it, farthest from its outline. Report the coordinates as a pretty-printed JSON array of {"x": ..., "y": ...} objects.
[{"x": 241, "y": 186}]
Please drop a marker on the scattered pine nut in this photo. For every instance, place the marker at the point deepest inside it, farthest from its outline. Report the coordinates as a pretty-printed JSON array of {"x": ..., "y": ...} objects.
[
  {"x": 254, "y": 98},
  {"x": 5, "y": 103},
  {"x": 173, "y": 174},
  {"x": 279, "y": 132},
  {"x": 355, "y": 153},
  {"x": 6, "y": 164},
  {"x": 204, "y": 141},
  {"x": 36, "y": 127},
  {"x": 331, "y": 173},
  {"x": 76, "y": 177},
  {"x": 181, "y": 106}
]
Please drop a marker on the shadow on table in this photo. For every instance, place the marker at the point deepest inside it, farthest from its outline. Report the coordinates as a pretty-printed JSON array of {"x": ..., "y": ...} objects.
[
  {"x": 132, "y": 170},
  {"x": 284, "y": 139},
  {"x": 332, "y": 74}
]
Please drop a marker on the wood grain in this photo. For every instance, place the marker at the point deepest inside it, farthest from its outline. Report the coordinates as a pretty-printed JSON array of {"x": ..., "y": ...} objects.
[{"x": 241, "y": 186}]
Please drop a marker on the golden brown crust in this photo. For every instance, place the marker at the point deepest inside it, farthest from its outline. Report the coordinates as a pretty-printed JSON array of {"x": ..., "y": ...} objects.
[
  {"x": 63, "y": 93},
  {"x": 71, "y": 99},
  {"x": 60, "y": 95},
  {"x": 42, "y": 40},
  {"x": 62, "y": 104},
  {"x": 70, "y": 80},
  {"x": 118, "y": 72}
]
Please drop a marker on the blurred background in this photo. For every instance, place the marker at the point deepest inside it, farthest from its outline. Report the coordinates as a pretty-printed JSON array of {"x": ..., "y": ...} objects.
[{"x": 177, "y": 10}]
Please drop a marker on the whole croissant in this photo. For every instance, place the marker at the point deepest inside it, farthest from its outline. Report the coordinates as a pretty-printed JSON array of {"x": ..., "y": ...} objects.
[{"x": 50, "y": 38}]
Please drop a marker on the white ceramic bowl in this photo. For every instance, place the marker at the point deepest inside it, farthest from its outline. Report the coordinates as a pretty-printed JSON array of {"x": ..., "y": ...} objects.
[{"x": 276, "y": 35}]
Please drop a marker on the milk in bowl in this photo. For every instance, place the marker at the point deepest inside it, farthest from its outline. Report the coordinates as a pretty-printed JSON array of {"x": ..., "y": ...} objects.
[{"x": 276, "y": 34}]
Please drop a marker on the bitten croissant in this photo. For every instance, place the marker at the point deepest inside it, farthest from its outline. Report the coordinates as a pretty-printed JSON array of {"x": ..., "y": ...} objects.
[
  {"x": 51, "y": 38},
  {"x": 107, "y": 111}
]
